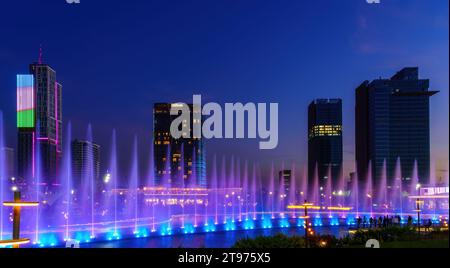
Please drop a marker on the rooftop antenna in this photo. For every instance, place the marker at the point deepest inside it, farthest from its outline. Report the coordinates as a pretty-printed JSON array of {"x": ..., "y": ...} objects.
[{"x": 40, "y": 54}]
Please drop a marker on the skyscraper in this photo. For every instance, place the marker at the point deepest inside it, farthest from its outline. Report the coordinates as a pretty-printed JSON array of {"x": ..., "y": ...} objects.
[
  {"x": 392, "y": 121},
  {"x": 284, "y": 178},
  {"x": 170, "y": 152},
  {"x": 39, "y": 123},
  {"x": 325, "y": 139},
  {"x": 84, "y": 154}
]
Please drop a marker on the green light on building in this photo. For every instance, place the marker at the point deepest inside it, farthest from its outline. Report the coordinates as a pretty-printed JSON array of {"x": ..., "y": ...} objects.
[{"x": 25, "y": 119}]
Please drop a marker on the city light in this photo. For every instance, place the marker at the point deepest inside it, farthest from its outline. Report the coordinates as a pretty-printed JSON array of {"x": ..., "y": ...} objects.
[
  {"x": 107, "y": 178},
  {"x": 157, "y": 180},
  {"x": 20, "y": 204},
  {"x": 7, "y": 243}
]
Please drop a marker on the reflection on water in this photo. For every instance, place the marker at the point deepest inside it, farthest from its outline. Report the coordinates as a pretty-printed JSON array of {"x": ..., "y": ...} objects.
[{"x": 210, "y": 240}]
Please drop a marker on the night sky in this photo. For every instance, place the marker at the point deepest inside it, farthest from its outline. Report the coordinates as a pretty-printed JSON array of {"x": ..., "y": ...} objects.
[{"x": 116, "y": 58}]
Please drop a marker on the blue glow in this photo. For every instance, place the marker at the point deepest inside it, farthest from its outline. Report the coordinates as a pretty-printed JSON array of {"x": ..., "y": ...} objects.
[
  {"x": 318, "y": 221},
  {"x": 141, "y": 232},
  {"x": 334, "y": 221},
  {"x": 230, "y": 225},
  {"x": 249, "y": 224},
  {"x": 49, "y": 239},
  {"x": 435, "y": 220},
  {"x": 188, "y": 228},
  {"x": 284, "y": 223},
  {"x": 113, "y": 236},
  {"x": 266, "y": 223},
  {"x": 210, "y": 226},
  {"x": 83, "y": 236},
  {"x": 165, "y": 229},
  {"x": 351, "y": 221}
]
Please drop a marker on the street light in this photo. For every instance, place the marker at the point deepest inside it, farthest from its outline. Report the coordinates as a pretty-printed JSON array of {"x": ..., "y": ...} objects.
[
  {"x": 107, "y": 178},
  {"x": 17, "y": 205}
]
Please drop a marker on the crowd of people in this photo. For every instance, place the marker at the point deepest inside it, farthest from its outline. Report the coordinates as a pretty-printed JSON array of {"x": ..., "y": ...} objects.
[{"x": 386, "y": 221}]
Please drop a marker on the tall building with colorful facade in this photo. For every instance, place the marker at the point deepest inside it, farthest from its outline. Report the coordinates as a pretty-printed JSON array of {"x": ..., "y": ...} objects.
[{"x": 39, "y": 125}]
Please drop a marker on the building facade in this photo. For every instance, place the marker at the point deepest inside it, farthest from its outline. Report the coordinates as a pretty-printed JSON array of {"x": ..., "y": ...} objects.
[
  {"x": 85, "y": 159},
  {"x": 325, "y": 140},
  {"x": 392, "y": 122},
  {"x": 39, "y": 124},
  {"x": 284, "y": 178},
  {"x": 171, "y": 154}
]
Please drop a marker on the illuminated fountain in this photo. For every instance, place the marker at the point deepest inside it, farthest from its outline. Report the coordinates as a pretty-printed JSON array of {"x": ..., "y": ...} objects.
[
  {"x": 397, "y": 190},
  {"x": 133, "y": 189},
  {"x": 3, "y": 178},
  {"x": 67, "y": 183},
  {"x": 112, "y": 178},
  {"x": 368, "y": 192},
  {"x": 382, "y": 189},
  {"x": 293, "y": 186},
  {"x": 88, "y": 183},
  {"x": 354, "y": 196},
  {"x": 239, "y": 197}
]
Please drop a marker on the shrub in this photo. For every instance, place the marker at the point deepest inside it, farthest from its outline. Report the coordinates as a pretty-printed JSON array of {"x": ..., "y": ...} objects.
[{"x": 277, "y": 241}]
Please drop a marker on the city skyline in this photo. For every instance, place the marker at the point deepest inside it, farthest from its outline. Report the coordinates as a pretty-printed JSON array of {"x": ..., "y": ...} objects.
[
  {"x": 224, "y": 124},
  {"x": 136, "y": 119},
  {"x": 381, "y": 97}
]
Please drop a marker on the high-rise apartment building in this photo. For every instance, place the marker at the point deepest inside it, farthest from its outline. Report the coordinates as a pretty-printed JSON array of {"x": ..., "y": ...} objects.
[
  {"x": 392, "y": 122},
  {"x": 325, "y": 140},
  {"x": 39, "y": 124},
  {"x": 170, "y": 153}
]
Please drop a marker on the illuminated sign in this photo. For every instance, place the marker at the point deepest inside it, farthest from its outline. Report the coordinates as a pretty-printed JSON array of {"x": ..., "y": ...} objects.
[
  {"x": 434, "y": 190},
  {"x": 325, "y": 130},
  {"x": 25, "y": 101}
]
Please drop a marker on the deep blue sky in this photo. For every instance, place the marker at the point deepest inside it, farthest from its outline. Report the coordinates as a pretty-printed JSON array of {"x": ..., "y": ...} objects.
[{"x": 116, "y": 58}]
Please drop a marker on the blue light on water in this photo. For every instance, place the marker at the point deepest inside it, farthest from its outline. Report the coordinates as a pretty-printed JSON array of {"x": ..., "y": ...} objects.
[
  {"x": 317, "y": 221},
  {"x": 249, "y": 224},
  {"x": 140, "y": 232},
  {"x": 112, "y": 236},
  {"x": 165, "y": 229},
  {"x": 49, "y": 240},
  {"x": 284, "y": 223},
  {"x": 350, "y": 221},
  {"x": 266, "y": 223},
  {"x": 84, "y": 237},
  {"x": 209, "y": 226},
  {"x": 188, "y": 229},
  {"x": 230, "y": 225},
  {"x": 435, "y": 220},
  {"x": 334, "y": 221}
]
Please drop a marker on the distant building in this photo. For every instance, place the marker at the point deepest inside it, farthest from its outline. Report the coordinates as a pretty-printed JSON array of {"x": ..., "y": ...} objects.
[
  {"x": 39, "y": 124},
  {"x": 169, "y": 152},
  {"x": 392, "y": 121},
  {"x": 284, "y": 177},
  {"x": 325, "y": 140},
  {"x": 9, "y": 162},
  {"x": 85, "y": 157}
]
